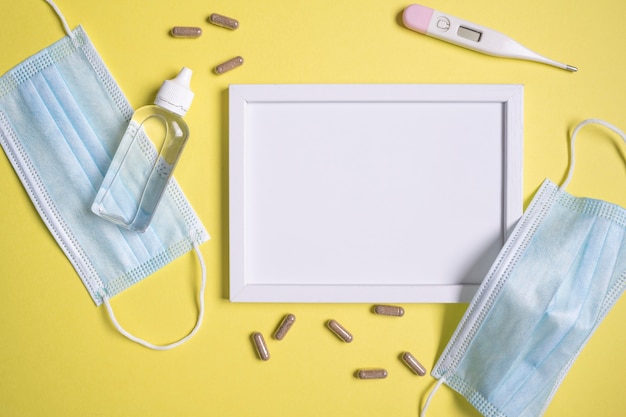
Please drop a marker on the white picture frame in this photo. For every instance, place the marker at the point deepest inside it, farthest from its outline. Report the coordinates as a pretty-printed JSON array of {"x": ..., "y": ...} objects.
[{"x": 378, "y": 193}]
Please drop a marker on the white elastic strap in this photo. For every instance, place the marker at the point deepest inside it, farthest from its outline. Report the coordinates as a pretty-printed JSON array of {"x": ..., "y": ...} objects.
[
  {"x": 431, "y": 395},
  {"x": 61, "y": 17},
  {"x": 142, "y": 342},
  {"x": 573, "y": 141}
]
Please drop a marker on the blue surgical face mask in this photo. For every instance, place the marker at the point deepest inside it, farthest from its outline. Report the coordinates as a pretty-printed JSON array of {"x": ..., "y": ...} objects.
[
  {"x": 556, "y": 278},
  {"x": 61, "y": 118}
]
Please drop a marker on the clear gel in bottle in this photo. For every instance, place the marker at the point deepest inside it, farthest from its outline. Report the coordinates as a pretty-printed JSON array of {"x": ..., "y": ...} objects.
[{"x": 137, "y": 177}]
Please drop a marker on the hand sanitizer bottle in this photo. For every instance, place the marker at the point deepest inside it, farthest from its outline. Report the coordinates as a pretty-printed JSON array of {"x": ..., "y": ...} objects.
[{"x": 137, "y": 177}]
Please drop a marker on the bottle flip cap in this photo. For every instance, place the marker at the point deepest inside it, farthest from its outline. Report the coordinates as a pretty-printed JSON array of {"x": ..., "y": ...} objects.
[{"x": 175, "y": 94}]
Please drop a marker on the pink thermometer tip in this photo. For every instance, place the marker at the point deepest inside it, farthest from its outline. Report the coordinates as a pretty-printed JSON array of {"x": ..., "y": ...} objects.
[{"x": 417, "y": 17}]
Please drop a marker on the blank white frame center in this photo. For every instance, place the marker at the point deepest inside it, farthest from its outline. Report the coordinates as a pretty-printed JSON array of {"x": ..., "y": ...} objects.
[{"x": 370, "y": 193}]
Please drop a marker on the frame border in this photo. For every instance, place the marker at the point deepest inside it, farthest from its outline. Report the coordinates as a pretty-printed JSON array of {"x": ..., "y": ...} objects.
[{"x": 240, "y": 95}]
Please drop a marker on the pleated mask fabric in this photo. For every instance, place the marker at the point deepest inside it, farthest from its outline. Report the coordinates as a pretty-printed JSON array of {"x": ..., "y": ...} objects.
[
  {"x": 62, "y": 116},
  {"x": 558, "y": 275}
]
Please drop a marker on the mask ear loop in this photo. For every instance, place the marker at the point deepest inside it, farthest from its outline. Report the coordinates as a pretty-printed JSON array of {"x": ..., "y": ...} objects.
[
  {"x": 441, "y": 381},
  {"x": 105, "y": 300},
  {"x": 573, "y": 141},
  {"x": 61, "y": 17}
]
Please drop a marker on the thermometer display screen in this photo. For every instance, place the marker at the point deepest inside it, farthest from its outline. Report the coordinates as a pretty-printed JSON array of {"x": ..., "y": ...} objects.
[{"x": 467, "y": 33}]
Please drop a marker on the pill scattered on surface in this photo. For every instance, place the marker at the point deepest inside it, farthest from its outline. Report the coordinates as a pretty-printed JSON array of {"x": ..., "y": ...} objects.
[
  {"x": 339, "y": 330},
  {"x": 261, "y": 347},
  {"x": 229, "y": 65},
  {"x": 223, "y": 21},
  {"x": 371, "y": 373},
  {"x": 413, "y": 363},
  {"x": 186, "y": 32},
  {"x": 284, "y": 326},
  {"x": 389, "y": 310}
]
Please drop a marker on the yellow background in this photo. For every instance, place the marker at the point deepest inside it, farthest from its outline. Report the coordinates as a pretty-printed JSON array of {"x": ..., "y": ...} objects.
[{"x": 59, "y": 355}]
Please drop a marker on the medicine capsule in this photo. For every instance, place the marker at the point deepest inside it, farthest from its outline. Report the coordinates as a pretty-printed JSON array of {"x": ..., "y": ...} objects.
[
  {"x": 186, "y": 32},
  {"x": 261, "y": 347},
  {"x": 229, "y": 65},
  {"x": 371, "y": 373},
  {"x": 413, "y": 363},
  {"x": 340, "y": 331},
  {"x": 223, "y": 21},
  {"x": 284, "y": 326},
  {"x": 389, "y": 310}
]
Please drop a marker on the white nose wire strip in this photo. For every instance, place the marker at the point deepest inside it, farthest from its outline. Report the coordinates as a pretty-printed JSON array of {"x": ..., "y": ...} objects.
[
  {"x": 142, "y": 342},
  {"x": 63, "y": 21},
  {"x": 573, "y": 141}
]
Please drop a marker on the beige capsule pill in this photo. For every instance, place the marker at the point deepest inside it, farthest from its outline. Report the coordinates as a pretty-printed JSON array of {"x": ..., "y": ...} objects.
[
  {"x": 223, "y": 21},
  {"x": 284, "y": 326},
  {"x": 229, "y": 65},
  {"x": 339, "y": 330},
  {"x": 377, "y": 373},
  {"x": 261, "y": 347},
  {"x": 389, "y": 310},
  {"x": 186, "y": 32},
  {"x": 413, "y": 363}
]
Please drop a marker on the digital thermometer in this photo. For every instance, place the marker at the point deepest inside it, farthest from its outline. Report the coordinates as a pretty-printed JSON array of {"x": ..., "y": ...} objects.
[{"x": 451, "y": 29}]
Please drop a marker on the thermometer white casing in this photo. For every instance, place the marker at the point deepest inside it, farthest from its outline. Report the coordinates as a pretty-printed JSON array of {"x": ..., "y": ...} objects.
[{"x": 470, "y": 35}]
